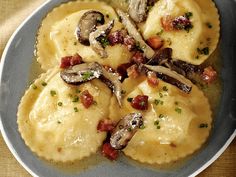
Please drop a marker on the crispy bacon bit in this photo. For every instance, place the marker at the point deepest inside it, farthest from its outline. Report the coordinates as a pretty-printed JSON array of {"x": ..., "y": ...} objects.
[
  {"x": 138, "y": 58},
  {"x": 173, "y": 145},
  {"x": 152, "y": 79},
  {"x": 140, "y": 102},
  {"x": 105, "y": 125},
  {"x": 166, "y": 23},
  {"x": 130, "y": 43},
  {"x": 181, "y": 23},
  {"x": 109, "y": 152},
  {"x": 68, "y": 61},
  {"x": 86, "y": 99},
  {"x": 133, "y": 72},
  {"x": 155, "y": 42},
  {"x": 209, "y": 75},
  {"x": 116, "y": 37},
  {"x": 122, "y": 70}
]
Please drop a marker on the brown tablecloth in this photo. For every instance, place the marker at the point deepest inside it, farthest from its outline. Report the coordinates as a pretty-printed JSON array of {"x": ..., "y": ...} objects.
[{"x": 12, "y": 13}]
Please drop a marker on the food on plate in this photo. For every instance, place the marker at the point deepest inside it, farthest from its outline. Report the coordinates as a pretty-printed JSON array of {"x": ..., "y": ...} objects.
[
  {"x": 126, "y": 76},
  {"x": 190, "y": 27},
  {"x": 170, "y": 124},
  {"x": 58, "y": 121}
]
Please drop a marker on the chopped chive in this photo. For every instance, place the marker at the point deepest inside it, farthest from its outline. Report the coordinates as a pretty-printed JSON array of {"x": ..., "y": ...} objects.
[
  {"x": 75, "y": 43},
  {"x": 160, "y": 32},
  {"x": 53, "y": 92},
  {"x": 95, "y": 103},
  {"x": 129, "y": 129},
  {"x": 158, "y": 127},
  {"x": 34, "y": 87},
  {"x": 44, "y": 84},
  {"x": 142, "y": 103},
  {"x": 75, "y": 99},
  {"x": 209, "y": 25},
  {"x": 188, "y": 15},
  {"x": 202, "y": 125},
  {"x": 156, "y": 122},
  {"x": 161, "y": 116},
  {"x": 86, "y": 75},
  {"x": 59, "y": 104},
  {"x": 161, "y": 95},
  {"x": 77, "y": 91},
  {"x": 178, "y": 110},
  {"x": 76, "y": 109},
  {"x": 142, "y": 127},
  {"x": 59, "y": 122},
  {"x": 70, "y": 95},
  {"x": 129, "y": 99},
  {"x": 165, "y": 88},
  {"x": 176, "y": 102}
]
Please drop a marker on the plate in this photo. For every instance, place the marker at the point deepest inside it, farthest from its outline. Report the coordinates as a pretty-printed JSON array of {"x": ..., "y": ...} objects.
[{"x": 15, "y": 72}]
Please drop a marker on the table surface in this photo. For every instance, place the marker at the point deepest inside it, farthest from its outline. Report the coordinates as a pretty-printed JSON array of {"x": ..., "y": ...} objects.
[{"x": 12, "y": 14}]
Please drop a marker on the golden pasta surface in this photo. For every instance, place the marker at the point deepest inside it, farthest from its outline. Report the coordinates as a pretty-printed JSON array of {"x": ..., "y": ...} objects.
[
  {"x": 187, "y": 45},
  {"x": 54, "y": 123},
  {"x": 171, "y": 124}
]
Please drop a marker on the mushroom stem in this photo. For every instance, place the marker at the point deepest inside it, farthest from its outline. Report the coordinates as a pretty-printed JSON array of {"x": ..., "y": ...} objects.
[
  {"x": 101, "y": 31},
  {"x": 133, "y": 32},
  {"x": 138, "y": 10},
  {"x": 125, "y": 130},
  {"x": 171, "y": 76}
]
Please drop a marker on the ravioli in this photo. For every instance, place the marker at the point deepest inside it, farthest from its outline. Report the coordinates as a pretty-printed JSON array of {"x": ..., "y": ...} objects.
[
  {"x": 57, "y": 37},
  {"x": 54, "y": 123},
  {"x": 193, "y": 46},
  {"x": 171, "y": 123}
]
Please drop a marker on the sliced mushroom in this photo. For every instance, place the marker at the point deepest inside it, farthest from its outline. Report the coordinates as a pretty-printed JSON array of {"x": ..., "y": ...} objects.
[
  {"x": 172, "y": 77},
  {"x": 125, "y": 130},
  {"x": 81, "y": 73},
  {"x": 133, "y": 32},
  {"x": 87, "y": 24},
  {"x": 88, "y": 71},
  {"x": 112, "y": 80},
  {"x": 101, "y": 31},
  {"x": 138, "y": 10}
]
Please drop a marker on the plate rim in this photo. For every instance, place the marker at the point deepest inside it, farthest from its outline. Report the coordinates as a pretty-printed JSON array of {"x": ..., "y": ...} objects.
[{"x": 12, "y": 149}]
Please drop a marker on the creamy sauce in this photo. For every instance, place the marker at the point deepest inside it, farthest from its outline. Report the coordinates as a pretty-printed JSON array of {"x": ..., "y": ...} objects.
[{"x": 212, "y": 91}]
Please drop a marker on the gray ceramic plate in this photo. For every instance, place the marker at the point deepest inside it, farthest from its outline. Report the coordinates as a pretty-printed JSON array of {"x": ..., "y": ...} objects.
[{"x": 14, "y": 73}]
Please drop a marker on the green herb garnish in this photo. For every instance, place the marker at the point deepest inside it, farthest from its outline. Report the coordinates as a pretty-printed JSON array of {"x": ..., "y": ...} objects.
[
  {"x": 165, "y": 88},
  {"x": 34, "y": 87},
  {"x": 53, "y": 92},
  {"x": 76, "y": 109},
  {"x": 59, "y": 104},
  {"x": 188, "y": 15},
  {"x": 44, "y": 84},
  {"x": 129, "y": 99},
  {"x": 178, "y": 110},
  {"x": 87, "y": 75},
  {"x": 142, "y": 127}
]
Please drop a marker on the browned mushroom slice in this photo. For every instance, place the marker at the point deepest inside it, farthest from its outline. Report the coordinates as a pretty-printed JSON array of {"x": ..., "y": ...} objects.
[
  {"x": 112, "y": 80},
  {"x": 88, "y": 71},
  {"x": 172, "y": 77},
  {"x": 94, "y": 37},
  {"x": 132, "y": 30},
  {"x": 87, "y": 24},
  {"x": 125, "y": 130},
  {"x": 81, "y": 73},
  {"x": 138, "y": 10}
]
